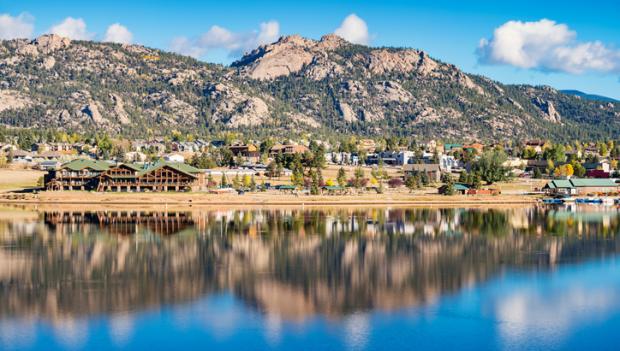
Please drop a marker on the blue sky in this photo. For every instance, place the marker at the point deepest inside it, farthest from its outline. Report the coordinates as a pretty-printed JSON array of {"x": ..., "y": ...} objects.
[{"x": 585, "y": 36}]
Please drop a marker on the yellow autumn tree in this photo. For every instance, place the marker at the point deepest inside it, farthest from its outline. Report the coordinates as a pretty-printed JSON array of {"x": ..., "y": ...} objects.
[
  {"x": 566, "y": 170},
  {"x": 247, "y": 180}
]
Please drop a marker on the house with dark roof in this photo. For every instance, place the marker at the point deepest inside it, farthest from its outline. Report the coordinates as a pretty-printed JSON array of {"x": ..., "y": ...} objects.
[
  {"x": 432, "y": 170},
  {"x": 20, "y": 155},
  {"x": 603, "y": 165},
  {"x": 536, "y": 145},
  {"x": 248, "y": 151},
  {"x": 287, "y": 149}
]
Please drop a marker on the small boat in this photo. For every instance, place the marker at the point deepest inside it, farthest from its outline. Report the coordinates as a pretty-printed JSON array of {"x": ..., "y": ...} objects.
[
  {"x": 569, "y": 199},
  {"x": 552, "y": 201},
  {"x": 589, "y": 200},
  {"x": 609, "y": 201}
]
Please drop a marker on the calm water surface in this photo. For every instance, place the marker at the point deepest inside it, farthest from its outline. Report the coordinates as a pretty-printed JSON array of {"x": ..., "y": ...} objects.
[{"x": 361, "y": 279}]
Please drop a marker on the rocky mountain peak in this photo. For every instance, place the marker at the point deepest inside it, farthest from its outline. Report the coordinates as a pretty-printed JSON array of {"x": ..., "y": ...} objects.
[
  {"x": 331, "y": 41},
  {"x": 287, "y": 55},
  {"x": 330, "y": 84},
  {"x": 294, "y": 39},
  {"x": 45, "y": 44}
]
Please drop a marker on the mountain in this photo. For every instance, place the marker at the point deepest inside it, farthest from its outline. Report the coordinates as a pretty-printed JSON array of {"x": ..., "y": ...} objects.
[
  {"x": 326, "y": 86},
  {"x": 589, "y": 96}
]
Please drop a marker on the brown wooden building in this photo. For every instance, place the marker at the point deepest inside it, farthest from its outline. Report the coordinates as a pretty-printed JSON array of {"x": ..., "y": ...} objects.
[
  {"x": 158, "y": 177},
  {"x": 288, "y": 149},
  {"x": 101, "y": 176},
  {"x": 80, "y": 174}
]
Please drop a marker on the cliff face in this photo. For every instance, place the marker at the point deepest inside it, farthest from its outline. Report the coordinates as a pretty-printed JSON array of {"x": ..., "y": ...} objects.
[{"x": 294, "y": 84}]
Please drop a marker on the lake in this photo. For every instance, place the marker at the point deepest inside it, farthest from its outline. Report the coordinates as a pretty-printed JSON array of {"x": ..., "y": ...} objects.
[{"x": 352, "y": 278}]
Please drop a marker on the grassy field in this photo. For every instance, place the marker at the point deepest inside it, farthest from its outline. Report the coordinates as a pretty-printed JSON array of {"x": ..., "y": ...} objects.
[
  {"x": 330, "y": 172},
  {"x": 13, "y": 180},
  {"x": 272, "y": 197}
]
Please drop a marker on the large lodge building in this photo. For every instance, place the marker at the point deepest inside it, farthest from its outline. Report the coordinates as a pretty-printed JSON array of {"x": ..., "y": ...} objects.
[{"x": 102, "y": 176}]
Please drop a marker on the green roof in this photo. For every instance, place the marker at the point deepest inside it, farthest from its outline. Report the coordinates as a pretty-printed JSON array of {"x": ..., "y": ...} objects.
[
  {"x": 135, "y": 166},
  {"x": 80, "y": 164},
  {"x": 333, "y": 187},
  {"x": 594, "y": 182},
  {"x": 452, "y": 146},
  {"x": 286, "y": 187},
  {"x": 560, "y": 183},
  {"x": 181, "y": 167},
  {"x": 460, "y": 187},
  {"x": 580, "y": 182}
]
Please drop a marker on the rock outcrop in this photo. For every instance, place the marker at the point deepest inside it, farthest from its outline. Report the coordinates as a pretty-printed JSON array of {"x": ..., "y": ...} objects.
[
  {"x": 403, "y": 61},
  {"x": 119, "y": 109},
  {"x": 13, "y": 100},
  {"x": 548, "y": 110},
  {"x": 236, "y": 109},
  {"x": 45, "y": 45},
  {"x": 286, "y": 56}
]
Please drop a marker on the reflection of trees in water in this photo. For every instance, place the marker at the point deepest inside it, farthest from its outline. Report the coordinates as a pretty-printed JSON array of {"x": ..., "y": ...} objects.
[{"x": 287, "y": 262}]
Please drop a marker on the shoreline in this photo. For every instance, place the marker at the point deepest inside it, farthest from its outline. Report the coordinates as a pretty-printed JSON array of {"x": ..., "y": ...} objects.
[{"x": 260, "y": 199}]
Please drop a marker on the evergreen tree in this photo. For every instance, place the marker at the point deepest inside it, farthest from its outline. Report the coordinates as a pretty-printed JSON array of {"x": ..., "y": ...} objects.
[
  {"x": 253, "y": 183},
  {"x": 358, "y": 175},
  {"x": 341, "y": 177}
]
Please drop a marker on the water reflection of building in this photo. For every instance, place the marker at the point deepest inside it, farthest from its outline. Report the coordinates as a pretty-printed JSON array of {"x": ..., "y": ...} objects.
[
  {"x": 120, "y": 222},
  {"x": 288, "y": 263}
]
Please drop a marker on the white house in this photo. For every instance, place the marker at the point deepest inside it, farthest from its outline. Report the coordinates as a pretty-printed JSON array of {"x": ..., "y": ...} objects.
[
  {"x": 447, "y": 163},
  {"x": 135, "y": 156}
]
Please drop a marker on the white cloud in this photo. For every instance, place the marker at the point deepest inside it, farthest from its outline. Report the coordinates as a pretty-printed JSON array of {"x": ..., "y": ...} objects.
[
  {"x": 221, "y": 38},
  {"x": 269, "y": 32},
  {"x": 184, "y": 46},
  {"x": 117, "y": 33},
  {"x": 73, "y": 28},
  {"x": 547, "y": 46},
  {"x": 21, "y": 26},
  {"x": 353, "y": 29}
]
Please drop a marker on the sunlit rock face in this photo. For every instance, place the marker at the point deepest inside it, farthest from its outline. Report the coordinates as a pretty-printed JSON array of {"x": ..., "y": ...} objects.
[
  {"x": 294, "y": 84},
  {"x": 290, "y": 264}
]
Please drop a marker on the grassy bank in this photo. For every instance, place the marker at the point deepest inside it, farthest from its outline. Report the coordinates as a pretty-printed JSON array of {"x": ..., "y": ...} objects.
[
  {"x": 266, "y": 198},
  {"x": 14, "y": 181}
]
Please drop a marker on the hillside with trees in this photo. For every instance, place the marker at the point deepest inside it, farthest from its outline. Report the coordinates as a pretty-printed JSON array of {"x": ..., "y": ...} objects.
[{"x": 293, "y": 86}]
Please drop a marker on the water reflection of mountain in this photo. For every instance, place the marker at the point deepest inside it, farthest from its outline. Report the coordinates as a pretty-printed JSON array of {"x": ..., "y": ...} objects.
[{"x": 292, "y": 263}]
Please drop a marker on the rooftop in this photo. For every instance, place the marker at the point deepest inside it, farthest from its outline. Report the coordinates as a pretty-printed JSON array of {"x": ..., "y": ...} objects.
[{"x": 580, "y": 183}]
